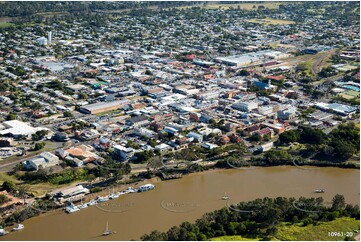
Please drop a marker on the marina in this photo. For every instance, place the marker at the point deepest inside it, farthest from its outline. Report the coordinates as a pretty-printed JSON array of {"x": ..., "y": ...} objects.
[{"x": 71, "y": 208}]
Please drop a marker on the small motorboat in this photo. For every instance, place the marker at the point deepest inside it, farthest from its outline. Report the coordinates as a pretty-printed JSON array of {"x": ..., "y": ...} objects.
[
  {"x": 3, "y": 231},
  {"x": 102, "y": 199},
  {"x": 72, "y": 208},
  {"x": 18, "y": 227},
  {"x": 320, "y": 191},
  {"x": 92, "y": 203}
]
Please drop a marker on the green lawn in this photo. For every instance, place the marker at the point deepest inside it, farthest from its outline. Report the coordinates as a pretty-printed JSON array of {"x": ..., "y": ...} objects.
[
  {"x": 5, "y": 24},
  {"x": 318, "y": 232}
]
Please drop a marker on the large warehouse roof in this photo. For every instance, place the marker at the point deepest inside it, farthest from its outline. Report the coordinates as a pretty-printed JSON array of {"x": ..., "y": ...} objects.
[
  {"x": 16, "y": 128},
  {"x": 104, "y": 105}
]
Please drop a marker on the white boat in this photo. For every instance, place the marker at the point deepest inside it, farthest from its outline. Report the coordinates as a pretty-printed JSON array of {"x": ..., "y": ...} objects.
[
  {"x": 114, "y": 195},
  {"x": 18, "y": 227},
  {"x": 92, "y": 203},
  {"x": 3, "y": 232},
  {"x": 71, "y": 208},
  {"x": 319, "y": 190},
  {"x": 146, "y": 187},
  {"x": 129, "y": 190},
  {"x": 107, "y": 231},
  {"x": 82, "y": 205},
  {"x": 225, "y": 197},
  {"x": 102, "y": 199},
  {"x": 121, "y": 193}
]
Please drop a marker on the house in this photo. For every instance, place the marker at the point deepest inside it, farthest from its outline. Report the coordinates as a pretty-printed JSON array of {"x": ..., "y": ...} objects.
[
  {"x": 250, "y": 130},
  {"x": 265, "y": 147},
  {"x": 264, "y": 132},
  {"x": 195, "y": 136},
  {"x": 287, "y": 114},
  {"x": 235, "y": 138},
  {"x": 223, "y": 140},
  {"x": 162, "y": 147},
  {"x": 84, "y": 153},
  {"x": 209, "y": 146},
  {"x": 140, "y": 131}
]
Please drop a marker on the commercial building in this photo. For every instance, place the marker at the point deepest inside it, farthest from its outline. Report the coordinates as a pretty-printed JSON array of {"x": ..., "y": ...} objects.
[
  {"x": 70, "y": 194},
  {"x": 102, "y": 107},
  {"x": 123, "y": 152},
  {"x": 44, "y": 160},
  {"x": 253, "y": 58},
  {"x": 17, "y": 128},
  {"x": 245, "y": 106},
  {"x": 337, "y": 108}
]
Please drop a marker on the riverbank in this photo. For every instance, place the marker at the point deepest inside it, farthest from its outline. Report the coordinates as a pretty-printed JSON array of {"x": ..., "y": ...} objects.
[{"x": 187, "y": 199}]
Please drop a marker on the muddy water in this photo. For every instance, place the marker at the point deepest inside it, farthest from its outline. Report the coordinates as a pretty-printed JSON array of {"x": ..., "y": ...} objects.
[{"x": 186, "y": 199}]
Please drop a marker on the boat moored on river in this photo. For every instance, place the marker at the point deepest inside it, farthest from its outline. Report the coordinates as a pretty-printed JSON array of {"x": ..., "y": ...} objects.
[{"x": 146, "y": 187}]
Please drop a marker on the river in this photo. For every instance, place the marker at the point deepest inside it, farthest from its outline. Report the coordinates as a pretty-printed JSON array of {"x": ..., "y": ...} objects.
[{"x": 187, "y": 199}]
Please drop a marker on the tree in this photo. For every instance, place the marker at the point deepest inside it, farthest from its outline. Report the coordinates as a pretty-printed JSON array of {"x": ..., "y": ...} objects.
[
  {"x": 243, "y": 73},
  {"x": 9, "y": 186},
  {"x": 68, "y": 114},
  {"x": 338, "y": 202},
  {"x": 312, "y": 136},
  {"x": 39, "y": 146},
  {"x": 3, "y": 199},
  {"x": 289, "y": 136},
  {"x": 11, "y": 116},
  {"x": 155, "y": 163},
  {"x": 23, "y": 190},
  {"x": 148, "y": 72}
]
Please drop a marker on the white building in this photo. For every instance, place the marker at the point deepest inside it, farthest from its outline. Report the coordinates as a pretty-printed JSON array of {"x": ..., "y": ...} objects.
[
  {"x": 197, "y": 137},
  {"x": 144, "y": 132},
  {"x": 42, "y": 41},
  {"x": 162, "y": 147},
  {"x": 17, "y": 128},
  {"x": 123, "y": 152},
  {"x": 265, "y": 110},
  {"x": 44, "y": 160},
  {"x": 245, "y": 106}
]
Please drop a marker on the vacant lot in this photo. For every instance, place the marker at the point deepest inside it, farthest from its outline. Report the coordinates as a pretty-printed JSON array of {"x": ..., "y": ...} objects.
[{"x": 269, "y": 21}]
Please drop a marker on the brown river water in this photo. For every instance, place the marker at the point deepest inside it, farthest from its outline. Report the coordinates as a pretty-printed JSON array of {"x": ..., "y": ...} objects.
[{"x": 173, "y": 202}]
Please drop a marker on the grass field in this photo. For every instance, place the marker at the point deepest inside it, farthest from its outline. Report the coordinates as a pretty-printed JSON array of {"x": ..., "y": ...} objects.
[
  {"x": 318, "y": 232},
  {"x": 268, "y": 21}
]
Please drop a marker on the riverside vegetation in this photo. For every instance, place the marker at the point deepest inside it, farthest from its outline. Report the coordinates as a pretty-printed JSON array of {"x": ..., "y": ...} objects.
[{"x": 266, "y": 219}]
